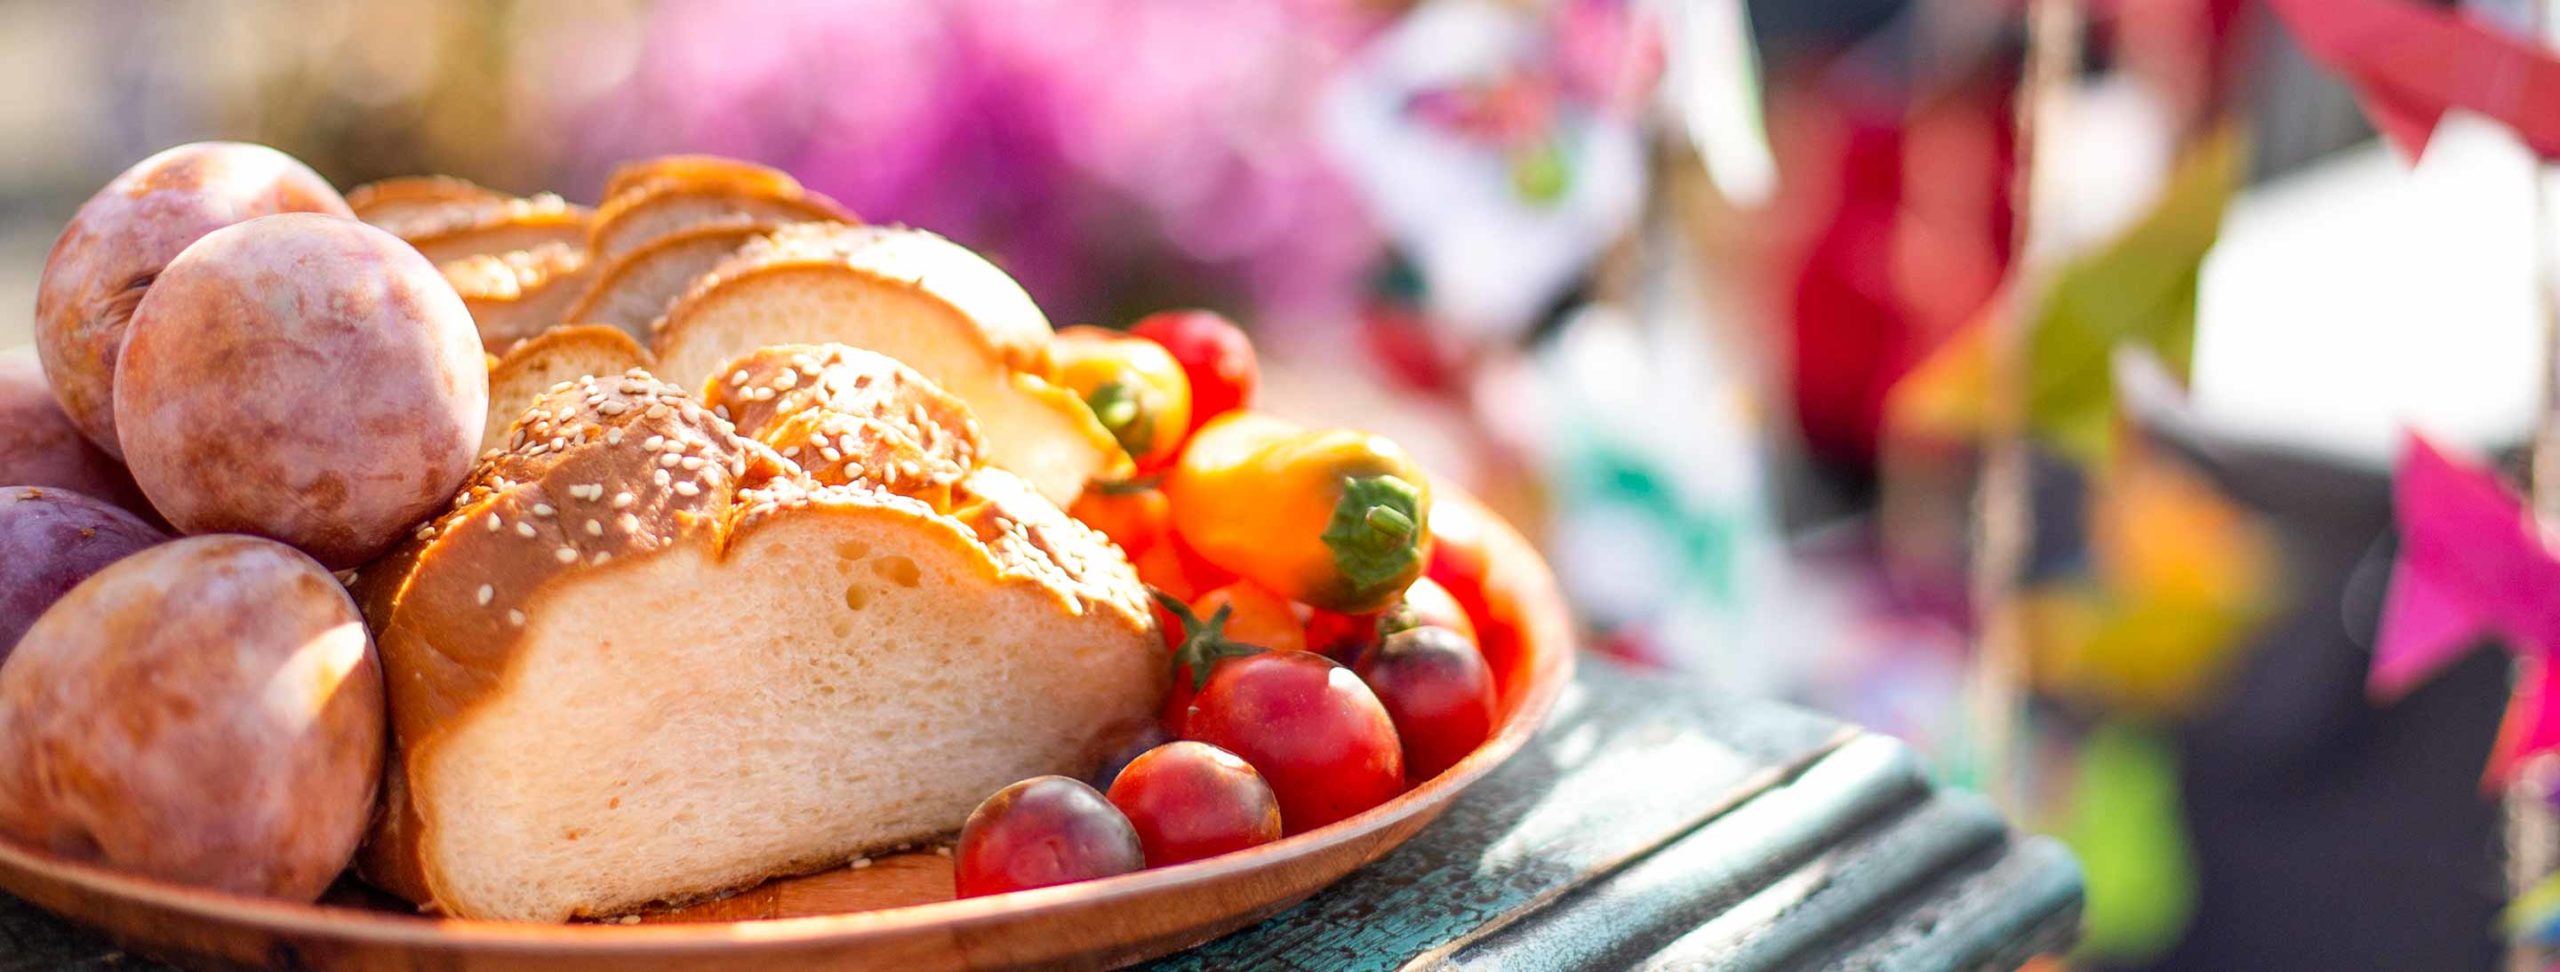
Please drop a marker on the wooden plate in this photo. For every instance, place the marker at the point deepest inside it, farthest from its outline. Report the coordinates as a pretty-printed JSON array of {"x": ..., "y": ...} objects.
[{"x": 896, "y": 913}]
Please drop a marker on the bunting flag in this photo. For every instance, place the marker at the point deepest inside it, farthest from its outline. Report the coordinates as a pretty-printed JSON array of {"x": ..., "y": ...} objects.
[
  {"x": 2473, "y": 566},
  {"x": 2409, "y": 64},
  {"x": 2138, "y": 288}
]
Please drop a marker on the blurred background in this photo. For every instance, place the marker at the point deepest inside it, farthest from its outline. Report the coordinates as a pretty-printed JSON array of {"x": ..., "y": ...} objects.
[{"x": 1701, "y": 292}]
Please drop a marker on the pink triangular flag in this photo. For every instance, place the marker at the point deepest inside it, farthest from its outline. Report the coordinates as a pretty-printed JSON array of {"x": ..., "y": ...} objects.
[
  {"x": 2471, "y": 563},
  {"x": 2409, "y": 64},
  {"x": 2425, "y": 627}
]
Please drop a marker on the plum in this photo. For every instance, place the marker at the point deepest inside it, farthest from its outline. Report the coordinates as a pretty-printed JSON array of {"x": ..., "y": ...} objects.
[
  {"x": 208, "y": 711},
  {"x": 120, "y": 239},
  {"x": 303, "y": 378},
  {"x": 51, "y": 539},
  {"x": 40, "y": 447}
]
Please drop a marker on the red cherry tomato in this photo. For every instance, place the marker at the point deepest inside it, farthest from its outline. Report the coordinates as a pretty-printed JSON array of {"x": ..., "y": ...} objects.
[
  {"x": 1043, "y": 831},
  {"x": 1215, "y": 355},
  {"x": 1435, "y": 686},
  {"x": 1190, "y": 800},
  {"x": 1309, "y": 726}
]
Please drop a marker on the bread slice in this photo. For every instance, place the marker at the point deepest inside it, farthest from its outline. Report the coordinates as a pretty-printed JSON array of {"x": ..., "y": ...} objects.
[
  {"x": 649, "y": 200},
  {"x": 402, "y": 205},
  {"x": 633, "y": 291},
  {"x": 666, "y": 170},
  {"x": 466, "y": 229},
  {"x": 679, "y": 665},
  {"x": 915, "y": 297},
  {"x": 516, "y": 295},
  {"x": 534, "y": 366}
]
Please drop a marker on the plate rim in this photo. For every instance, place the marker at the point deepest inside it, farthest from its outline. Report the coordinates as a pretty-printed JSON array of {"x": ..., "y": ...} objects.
[{"x": 1546, "y": 646}]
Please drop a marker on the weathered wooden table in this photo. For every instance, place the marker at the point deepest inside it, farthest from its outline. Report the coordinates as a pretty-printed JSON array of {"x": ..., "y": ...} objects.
[{"x": 1650, "y": 825}]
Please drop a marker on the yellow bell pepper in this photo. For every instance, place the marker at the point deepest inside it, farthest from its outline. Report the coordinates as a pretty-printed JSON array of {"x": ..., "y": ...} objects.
[
  {"x": 1332, "y": 518},
  {"x": 1132, "y": 384}
]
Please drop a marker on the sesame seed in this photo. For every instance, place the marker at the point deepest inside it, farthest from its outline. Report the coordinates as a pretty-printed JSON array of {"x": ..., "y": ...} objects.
[
  {"x": 515, "y": 617},
  {"x": 687, "y": 488},
  {"x": 861, "y": 862},
  {"x": 613, "y": 408},
  {"x": 566, "y": 555},
  {"x": 692, "y": 462},
  {"x": 543, "y": 509},
  {"x": 669, "y": 459},
  {"x": 600, "y": 557},
  {"x": 659, "y": 410},
  {"x": 595, "y": 529},
  {"x": 623, "y": 499},
  {"x": 786, "y": 379},
  {"x": 653, "y": 443},
  {"x": 830, "y": 454},
  {"x": 660, "y": 477},
  {"x": 722, "y": 411},
  {"x": 942, "y": 851},
  {"x": 524, "y": 530},
  {"x": 487, "y": 592},
  {"x": 738, "y": 377},
  {"x": 628, "y": 523}
]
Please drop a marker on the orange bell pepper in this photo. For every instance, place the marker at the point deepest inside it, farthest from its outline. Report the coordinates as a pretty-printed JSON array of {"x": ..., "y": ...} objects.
[
  {"x": 1332, "y": 518},
  {"x": 1132, "y": 384}
]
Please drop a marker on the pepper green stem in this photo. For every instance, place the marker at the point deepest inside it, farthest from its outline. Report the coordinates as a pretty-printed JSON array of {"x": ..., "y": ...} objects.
[
  {"x": 1376, "y": 533},
  {"x": 1122, "y": 414}
]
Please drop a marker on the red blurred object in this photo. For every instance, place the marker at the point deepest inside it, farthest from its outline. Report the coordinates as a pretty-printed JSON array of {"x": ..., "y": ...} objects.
[
  {"x": 1904, "y": 214},
  {"x": 2410, "y": 64}
]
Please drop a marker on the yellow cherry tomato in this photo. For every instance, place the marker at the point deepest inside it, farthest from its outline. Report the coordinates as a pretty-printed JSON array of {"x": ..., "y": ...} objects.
[
  {"x": 1132, "y": 384},
  {"x": 1332, "y": 518}
]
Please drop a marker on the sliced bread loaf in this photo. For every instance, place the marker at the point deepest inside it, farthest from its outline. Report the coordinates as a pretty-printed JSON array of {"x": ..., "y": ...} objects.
[{"x": 646, "y": 658}]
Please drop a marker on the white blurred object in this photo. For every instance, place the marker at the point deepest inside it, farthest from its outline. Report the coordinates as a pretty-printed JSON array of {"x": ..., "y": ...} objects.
[
  {"x": 2360, "y": 296},
  {"x": 1662, "y": 531},
  {"x": 1491, "y": 261},
  {"x": 1711, "y": 85}
]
